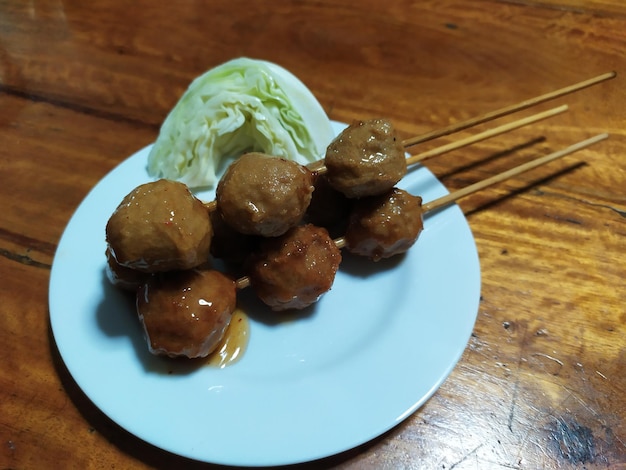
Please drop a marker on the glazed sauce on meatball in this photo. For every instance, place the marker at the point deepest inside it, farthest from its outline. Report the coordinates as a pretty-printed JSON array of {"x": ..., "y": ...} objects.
[
  {"x": 186, "y": 313},
  {"x": 294, "y": 270},
  {"x": 160, "y": 226},
  {"x": 384, "y": 226},
  {"x": 366, "y": 159},
  {"x": 264, "y": 195}
]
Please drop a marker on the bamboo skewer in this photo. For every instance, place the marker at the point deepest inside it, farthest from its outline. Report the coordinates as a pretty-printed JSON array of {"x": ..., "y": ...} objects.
[
  {"x": 485, "y": 135},
  {"x": 452, "y": 197},
  {"x": 509, "y": 109},
  {"x": 244, "y": 282},
  {"x": 320, "y": 169},
  {"x": 340, "y": 242}
]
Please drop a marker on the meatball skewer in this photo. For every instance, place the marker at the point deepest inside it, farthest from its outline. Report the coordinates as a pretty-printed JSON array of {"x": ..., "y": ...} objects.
[
  {"x": 385, "y": 247},
  {"x": 185, "y": 313},
  {"x": 273, "y": 277},
  {"x": 121, "y": 249},
  {"x": 263, "y": 195},
  {"x": 366, "y": 160},
  {"x": 259, "y": 195},
  {"x": 367, "y": 182},
  {"x": 319, "y": 167}
]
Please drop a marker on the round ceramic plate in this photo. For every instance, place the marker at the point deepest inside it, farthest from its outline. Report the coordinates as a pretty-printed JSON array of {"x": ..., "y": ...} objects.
[{"x": 334, "y": 376}]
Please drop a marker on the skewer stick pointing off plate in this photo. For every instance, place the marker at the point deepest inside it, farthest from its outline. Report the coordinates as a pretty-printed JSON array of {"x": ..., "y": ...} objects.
[
  {"x": 452, "y": 197},
  {"x": 457, "y": 144},
  {"x": 509, "y": 109},
  {"x": 340, "y": 242}
]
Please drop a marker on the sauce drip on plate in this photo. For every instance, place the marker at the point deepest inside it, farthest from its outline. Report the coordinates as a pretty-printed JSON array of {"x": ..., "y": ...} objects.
[{"x": 234, "y": 343}]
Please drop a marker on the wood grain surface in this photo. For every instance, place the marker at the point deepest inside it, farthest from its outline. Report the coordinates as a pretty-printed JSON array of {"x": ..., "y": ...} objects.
[{"x": 542, "y": 383}]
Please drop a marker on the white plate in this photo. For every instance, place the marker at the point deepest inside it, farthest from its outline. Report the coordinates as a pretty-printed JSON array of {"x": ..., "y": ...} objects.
[{"x": 368, "y": 355}]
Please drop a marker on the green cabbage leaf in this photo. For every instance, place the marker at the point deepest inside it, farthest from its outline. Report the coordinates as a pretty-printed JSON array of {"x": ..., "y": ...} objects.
[{"x": 243, "y": 105}]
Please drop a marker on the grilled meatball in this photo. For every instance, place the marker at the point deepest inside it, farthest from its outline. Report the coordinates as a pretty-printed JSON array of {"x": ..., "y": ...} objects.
[
  {"x": 160, "y": 226},
  {"x": 228, "y": 244},
  {"x": 294, "y": 270},
  {"x": 264, "y": 195},
  {"x": 329, "y": 208},
  {"x": 185, "y": 313},
  {"x": 384, "y": 226},
  {"x": 366, "y": 159}
]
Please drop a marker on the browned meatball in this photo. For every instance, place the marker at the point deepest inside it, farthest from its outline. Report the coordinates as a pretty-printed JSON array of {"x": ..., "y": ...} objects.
[
  {"x": 185, "y": 313},
  {"x": 294, "y": 270},
  {"x": 228, "y": 244},
  {"x": 329, "y": 208},
  {"x": 264, "y": 195},
  {"x": 160, "y": 226},
  {"x": 384, "y": 226},
  {"x": 366, "y": 159},
  {"x": 123, "y": 277}
]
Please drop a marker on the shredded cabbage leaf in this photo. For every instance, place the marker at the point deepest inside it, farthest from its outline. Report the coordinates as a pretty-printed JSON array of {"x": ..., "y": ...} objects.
[{"x": 243, "y": 105}]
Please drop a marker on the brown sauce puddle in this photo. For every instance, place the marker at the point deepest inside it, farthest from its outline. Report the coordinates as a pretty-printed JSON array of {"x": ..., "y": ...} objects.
[{"x": 234, "y": 343}]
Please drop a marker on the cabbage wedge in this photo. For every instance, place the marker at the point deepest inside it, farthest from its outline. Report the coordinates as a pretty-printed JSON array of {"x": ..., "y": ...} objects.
[{"x": 240, "y": 106}]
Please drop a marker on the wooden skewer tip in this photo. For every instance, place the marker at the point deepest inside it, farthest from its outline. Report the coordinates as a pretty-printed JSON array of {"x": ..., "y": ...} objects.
[
  {"x": 244, "y": 281},
  {"x": 487, "y": 134},
  {"x": 454, "y": 196},
  {"x": 510, "y": 109}
]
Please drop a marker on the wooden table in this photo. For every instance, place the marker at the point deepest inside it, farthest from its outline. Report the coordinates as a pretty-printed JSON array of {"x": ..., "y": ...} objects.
[{"x": 83, "y": 85}]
